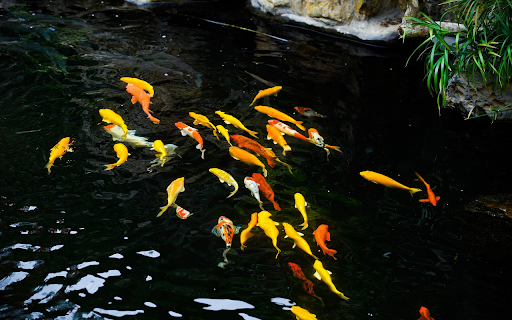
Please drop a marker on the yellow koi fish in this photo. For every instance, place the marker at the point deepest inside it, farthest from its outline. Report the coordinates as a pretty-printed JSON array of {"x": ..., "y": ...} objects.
[
  {"x": 247, "y": 158},
  {"x": 386, "y": 181},
  {"x": 204, "y": 121},
  {"x": 173, "y": 190},
  {"x": 267, "y": 92},
  {"x": 274, "y": 113},
  {"x": 229, "y": 119},
  {"x": 302, "y": 314},
  {"x": 324, "y": 275},
  {"x": 300, "y": 204},
  {"x": 141, "y": 84},
  {"x": 227, "y": 178},
  {"x": 299, "y": 241},
  {"x": 122, "y": 154},
  {"x": 58, "y": 151},
  {"x": 277, "y": 137},
  {"x": 246, "y": 233},
  {"x": 110, "y": 116},
  {"x": 164, "y": 153},
  {"x": 224, "y": 133},
  {"x": 269, "y": 227}
]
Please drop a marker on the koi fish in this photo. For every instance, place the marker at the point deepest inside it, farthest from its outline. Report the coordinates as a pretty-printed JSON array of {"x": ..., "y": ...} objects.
[
  {"x": 425, "y": 314},
  {"x": 204, "y": 121},
  {"x": 141, "y": 84},
  {"x": 302, "y": 314},
  {"x": 265, "y": 189},
  {"x": 182, "y": 213},
  {"x": 267, "y": 92},
  {"x": 270, "y": 154},
  {"x": 173, "y": 190},
  {"x": 298, "y": 240},
  {"x": 253, "y": 187},
  {"x": 227, "y": 178},
  {"x": 321, "y": 235},
  {"x": 300, "y": 204},
  {"x": 274, "y": 113},
  {"x": 286, "y": 129},
  {"x": 122, "y": 154},
  {"x": 165, "y": 152},
  {"x": 309, "y": 112},
  {"x": 234, "y": 121},
  {"x": 132, "y": 139},
  {"x": 324, "y": 275},
  {"x": 386, "y": 181},
  {"x": 193, "y": 133},
  {"x": 58, "y": 151},
  {"x": 431, "y": 196},
  {"x": 306, "y": 284},
  {"x": 224, "y": 133},
  {"x": 277, "y": 136},
  {"x": 110, "y": 116},
  {"x": 269, "y": 227},
  {"x": 247, "y": 158},
  {"x": 225, "y": 230},
  {"x": 143, "y": 98},
  {"x": 316, "y": 139},
  {"x": 246, "y": 233},
  {"x": 297, "y": 271}
]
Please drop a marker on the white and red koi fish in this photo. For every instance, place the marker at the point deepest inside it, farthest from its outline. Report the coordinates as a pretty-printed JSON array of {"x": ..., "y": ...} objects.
[
  {"x": 253, "y": 187},
  {"x": 182, "y": 213},
  {"x": 192, "y": 132},
  {"x": 316, "y": 139},
  {"x": 225, "y": 230},
  {"x": 286, "y": 129}
]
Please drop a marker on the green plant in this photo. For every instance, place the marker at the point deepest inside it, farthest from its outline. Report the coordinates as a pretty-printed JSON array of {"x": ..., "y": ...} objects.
[{"x": 481, "y": 47}]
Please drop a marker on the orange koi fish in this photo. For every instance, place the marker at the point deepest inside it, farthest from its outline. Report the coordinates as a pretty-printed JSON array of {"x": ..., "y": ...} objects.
[
  {"x": 182, "y": 213},
  {"x": 431, "y": 196},
  {"x": 386, "y": 181},
  {"x": 274, "y": 113},
  {"x": 247, "y": 158},
  {"x": 143, "y": 98},
  {"x": 297, "y": 271},
  {"x": 265, "y": 189},
  {"x": 277, "y": 136},
  {"x": 309, "y": 112},
  {"x": 122, "y": 154},
  {"x": 58, "y": 151},
  {"x": 225, "y": 230},
  {"x": 316, "y": 139},
  {"x": 425, "y": 314},
  {"x": 246, "y": 233},
  {"x": 321, "y": 235},
  {"x": 140, "y": 83},
  {"x": 267, "y": 92},
  {"x": 287, "y": 129},
  {"x": 192, "y": 132}
]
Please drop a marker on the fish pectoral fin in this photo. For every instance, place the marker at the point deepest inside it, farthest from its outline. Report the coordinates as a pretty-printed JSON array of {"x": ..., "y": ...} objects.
[
  {"x": 294, "y": 245},
  {"x": 183, "y": 132},
  {"x": 317, "y": 275},
  {"x": 424, "y": 200},
  {"x": 437, "y": 198},
  {"x": 300, "y": 234}
]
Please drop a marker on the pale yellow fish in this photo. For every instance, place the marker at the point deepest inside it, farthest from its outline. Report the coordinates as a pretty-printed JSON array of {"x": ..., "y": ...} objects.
[
  {"x": 122, "y": 154},
  {"x": 269, "y": 227},
  {"x": 386, "y": 181},
  {"x": 173, "y": 190},
  {"x": 300, "y": 204},
  {"x": 267, "y": 92},
  {"x": 229, "y": 119},
  {"x": 110, "y": 116},
  {"x": 224, "y": 133},
  {"x": 246, "y": 233},
  {"x": 204, "y": 121},
  {"x": 324, "y": 275},
  {"x": 140, "y": 83},
  {"x": 274, "y": 113},
  {"x": 302, "y": 314},
  {"x": 296, "y": 237},
  {"x": 58, "y": 151},
  {"x": 225, "y": 177}
]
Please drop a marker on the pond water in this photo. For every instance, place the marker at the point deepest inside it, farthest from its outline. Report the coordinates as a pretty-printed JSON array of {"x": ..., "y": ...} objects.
[{"x": 82, "y": 242}]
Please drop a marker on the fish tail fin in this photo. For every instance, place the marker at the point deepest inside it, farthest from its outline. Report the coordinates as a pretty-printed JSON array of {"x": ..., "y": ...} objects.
[
  {"x": 264, "y": 172},
  {"x": 286, "y": 165},
  {"x": 109, "y": 166},
  {"x": 304, "y": 226},
  {"x": 299, "y": 124},
  {"x": 261, "y": 206},
  {"x": 334, "y": 148},
  {"x": 271, "y": 162},
  {"x": 253, "y": 133},
  {"x": 232, "y": 193},
  {"x": 414, "y": 190},
  {"x": 164, "y": 208},
  {"x": 276, "y": 206},
  {"x": 419, "y": 177},
  {"x": 202, "y": 153},
  {"x": 331, "y": 252},
  {"x": 278, "y": 251},
  {"x": 48, "y": 166},
  {"x": 341, "y": 295}
]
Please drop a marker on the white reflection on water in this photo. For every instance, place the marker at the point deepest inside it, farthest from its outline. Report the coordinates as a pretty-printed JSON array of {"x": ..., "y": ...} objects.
[
  {"x": 116, "y": 256},
  {"x": 282, "y": 302},
  {"x": 89, "y": 282},
  {"x": 248, "y": 317},
  {"x": 24, "y": 246},
  {"x": 56, "y": 274},
  {"x": 150, "y": 253},
  {"x": 150, "y": 304},
  {"x": 45, "y": 293},
  {"x": 86, "y": 264},
  {"x": 175, "y": 314},
  {"x": 224, "y": 304},
  {"x": 110, "y": 273},
  {"x": 29, "y": 265},
  {"x": 12, "y": 278},
  {"x": 117, "y": 313}
]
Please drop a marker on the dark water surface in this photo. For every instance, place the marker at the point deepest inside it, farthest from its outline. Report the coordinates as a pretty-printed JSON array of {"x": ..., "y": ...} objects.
[{"x": 84, "y": 243}]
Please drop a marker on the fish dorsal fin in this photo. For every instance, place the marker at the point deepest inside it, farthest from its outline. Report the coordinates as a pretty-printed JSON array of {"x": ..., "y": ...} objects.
[
  {"x": 317, "y": 275},
  {"x": 286, "y": 236}
]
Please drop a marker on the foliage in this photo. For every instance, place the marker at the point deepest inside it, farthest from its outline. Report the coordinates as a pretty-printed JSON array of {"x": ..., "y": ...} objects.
[{"x": 480, "y": 48}]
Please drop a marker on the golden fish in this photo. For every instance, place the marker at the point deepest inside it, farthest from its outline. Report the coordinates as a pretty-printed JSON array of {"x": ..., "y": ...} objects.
[
  {"x": 204, "y": 121},
  {"x": 229, "y": 119},
  {"x": 173, "y": 190},
  {"x": 224, "y": 133},
  {"x": 269, "y": 227},
  {"x": 302, "y": 314},
  {"x": 247, "y": 158},
  {"x": 267, "y": 92},
  {"x": 165, "y": 152},
  {"x": 324, "y": 275},
  {"x": 386, "y": 181},
  {"x": 246, "y": 233},
  {"x": 110, "y": 116},
  {"x": 277, "y": 137},
  {"x": 299, "y": 241},
  {"x": 274, "y": 113},
  {"x": 58, "y": 151},
  {"x": 122, "y": 154},
  {"x": 300, "y": 204},
  {"x": 140, "y": 83},
  {"x": 225, "y": 177}
]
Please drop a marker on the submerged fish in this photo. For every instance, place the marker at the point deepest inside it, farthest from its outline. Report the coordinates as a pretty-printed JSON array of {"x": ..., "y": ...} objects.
[
  {"x": 306, "y": 284},
  {"x": 302, "y": 314},
  {"x": 286, "y": 129},
  {"x": 193, "y": 133},
  {"x": 110, "y": 116},
  {"x": 325, "y": 276},
  {"x": 277, "y": 136},
  {"x": 378, "y": 178},
  {"x": 165, "y": 152},
  {"x": 204, "y": 121},
  {"x": 246, "y": 233},
  {"x": 431, "y": 196},
  {"x": 425, "y": 314},
  {"x": 173, "y": 190},
  {"x": 225, "y": 177},
  {"x": 253, "y": 187},
  {"x": 269, "y": 227},
  {"x": 247, "y": 158},
  {"x": 316, "y": 139},
  {"x": 140, "y": 83},
  {"x": 309, "y": 112},
  {"x": 182, "y": 213},
  {"x": 265, "y": 189},
  {"x": 226, "y": 230},
  {"x": 297, "y": 239},
  {"x": 58, "y": 151},
  {"x": 300, "y": 204},
  {"x": 122, "y": 154},
  {"x": 321, "y": 235},
  {"x": 229, "y": 119},
  {"x": 132, "y": 139},
  {"x": 143, "y": 98},
  {"x": 224, "y": 133},
  {"x": 274, "y": 113},
  {"x": 267, "y": 92}
]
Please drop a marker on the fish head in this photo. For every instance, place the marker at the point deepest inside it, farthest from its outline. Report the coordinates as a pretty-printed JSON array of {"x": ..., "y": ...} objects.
[
  {"x": 180, "y": 125},
  {"x": 366, "y": 175}
]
